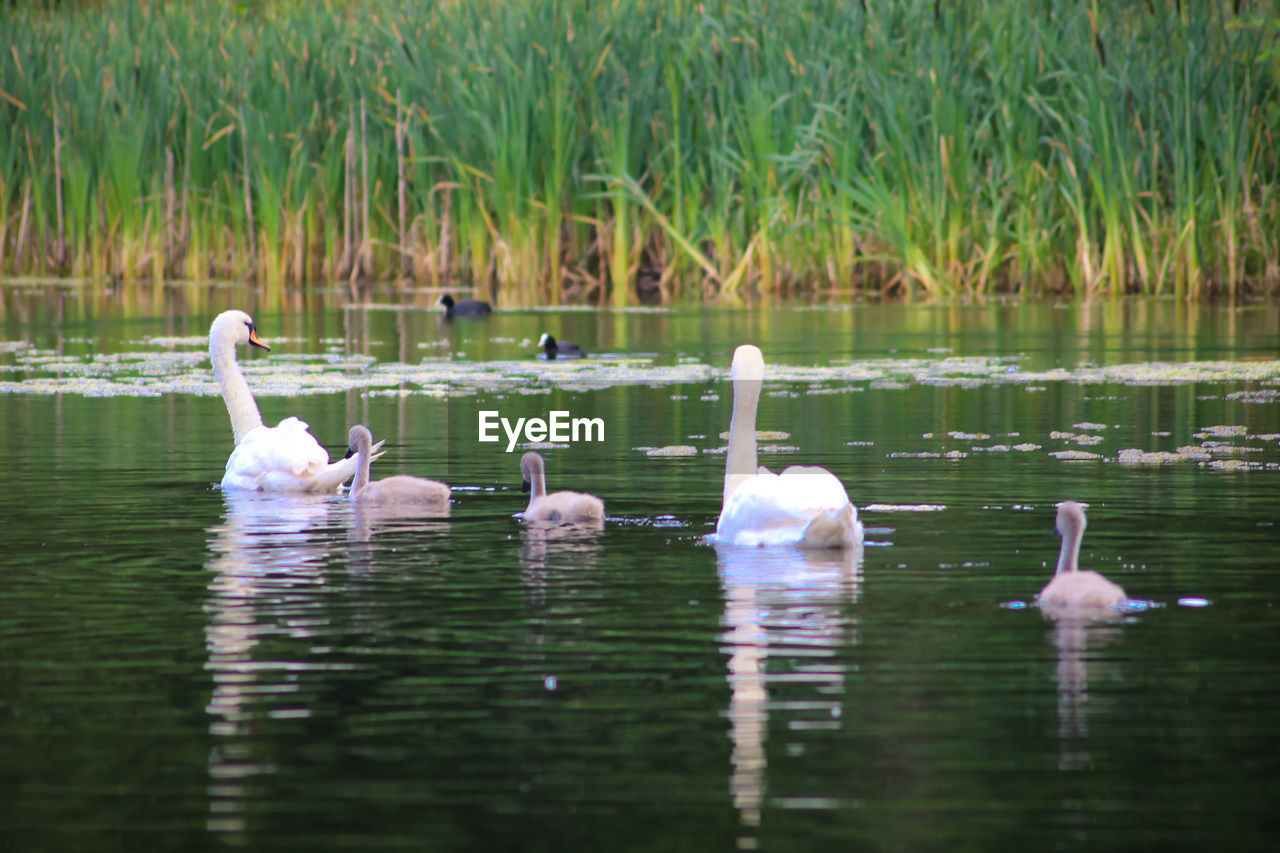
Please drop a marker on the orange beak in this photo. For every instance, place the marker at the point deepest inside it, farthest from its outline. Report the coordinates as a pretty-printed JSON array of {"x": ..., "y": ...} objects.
[{"x": 257, "y": 341}]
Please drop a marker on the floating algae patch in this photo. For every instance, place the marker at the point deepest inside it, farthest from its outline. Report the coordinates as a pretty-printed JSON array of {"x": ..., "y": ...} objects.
[
  {"x": 1076, "y": 438},
  {"x": 291, "y": 374},
  {"x": 1076, "y": 455},
  {"x": 1135, "y": 456},
  {"x": 671, "y": 450},
  {"x": 1221, "y": 448},
  {"x": 884, "y": 373},
  {"x": 1265, "y": 395},
  {"x": 1240, "y": 465},
  {"x": 824, "y": 391},
  {"x": 174, "y": 365},
  {"x": 1179, "y": 373},
  {"x": 543, "y": 445},
  {"x": 1221, "y": 431},
  {"x": 1204, "y": 455}
]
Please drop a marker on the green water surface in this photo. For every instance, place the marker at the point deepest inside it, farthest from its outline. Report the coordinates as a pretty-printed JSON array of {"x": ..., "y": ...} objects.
[{"x": 184, "y": 669}]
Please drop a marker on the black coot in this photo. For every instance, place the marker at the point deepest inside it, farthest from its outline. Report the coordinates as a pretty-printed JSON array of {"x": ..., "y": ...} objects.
[
  {"x": 561, "y": 349},
  {"x": 465, "y": 308}
]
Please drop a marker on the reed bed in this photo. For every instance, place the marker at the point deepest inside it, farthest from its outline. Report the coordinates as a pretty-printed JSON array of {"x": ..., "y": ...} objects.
[{"x": 540, "y": 151}]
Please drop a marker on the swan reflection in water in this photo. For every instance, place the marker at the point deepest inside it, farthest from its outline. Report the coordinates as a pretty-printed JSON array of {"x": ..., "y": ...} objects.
[
  {"x": 267, "y": 559},
  {"x": 546, "y": 548},
  {"x": 792, "y": 605},
  {"x": 414, "y": 519},
  {"x": 1078, "y": 641},
  {"x": 1086, "y": 609},
  {"x": 271, "y": 560}
]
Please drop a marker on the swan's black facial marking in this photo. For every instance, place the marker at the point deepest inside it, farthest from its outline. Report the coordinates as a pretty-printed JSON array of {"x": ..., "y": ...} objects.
[
  {"x": 524, "y": 486},
  {"x": 351, "y": 451}
]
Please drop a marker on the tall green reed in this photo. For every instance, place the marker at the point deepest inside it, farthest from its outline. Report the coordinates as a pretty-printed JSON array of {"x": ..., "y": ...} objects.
[{"x": 545, "y": 151}]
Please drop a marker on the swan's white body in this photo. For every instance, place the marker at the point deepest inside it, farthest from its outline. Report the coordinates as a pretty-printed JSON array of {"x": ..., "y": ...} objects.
[
  {"x": 283, "y": 458},
  {"x": 557, "y": 507},
  {"x": 804, "y": 506},
  {"x": 1076, "y": 592},
  {"x": 398, "y": 489}
]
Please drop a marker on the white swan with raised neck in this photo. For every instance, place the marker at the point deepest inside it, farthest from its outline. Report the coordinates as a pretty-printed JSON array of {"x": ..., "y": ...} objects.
[
  {"x": 804, "y": 506},
  {"x": 282, "y": 458}
]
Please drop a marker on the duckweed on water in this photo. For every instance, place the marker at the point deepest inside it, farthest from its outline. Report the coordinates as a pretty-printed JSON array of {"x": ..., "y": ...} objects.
[
  {"x": 1076, "y": 455},
  {"x": 670, "y": 450},
  {"x": 1240, "y": 465},
  {"x": 1134, "y": 456},
  {"x": 1221, "y": 432},
  {"x": 1077, "y": 438},
  {"x": 182, "y": 368},
  {"x": 287, "y": 374}
]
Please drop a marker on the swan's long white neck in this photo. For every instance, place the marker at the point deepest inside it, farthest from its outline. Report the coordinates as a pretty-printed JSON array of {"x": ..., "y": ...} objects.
[
  {"x": 235, "y": 390},
  {"x": 1072, "y": 534},
  {"x": 740, "y": 459}
]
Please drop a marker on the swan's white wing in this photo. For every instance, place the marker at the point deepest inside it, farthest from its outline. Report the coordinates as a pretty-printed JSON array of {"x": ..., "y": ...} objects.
[
  {"x": 814, "y": 486},
  {"x": 285, "y": 457},
  {"x": 326, "y": 479},
  {"x": 806, "y": 507}
]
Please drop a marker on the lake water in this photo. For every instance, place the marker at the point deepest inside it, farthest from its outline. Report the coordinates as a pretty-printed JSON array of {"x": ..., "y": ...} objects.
[{"x": 184, "y": 669}]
